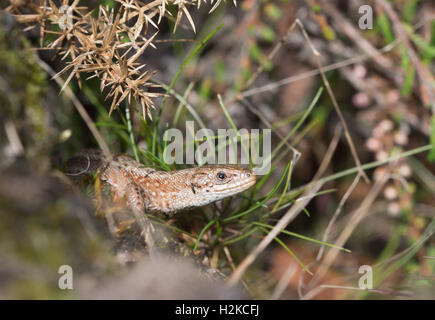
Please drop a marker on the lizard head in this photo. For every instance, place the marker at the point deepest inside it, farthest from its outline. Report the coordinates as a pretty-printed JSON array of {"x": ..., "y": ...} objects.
[{"x": 215, "y": 182}]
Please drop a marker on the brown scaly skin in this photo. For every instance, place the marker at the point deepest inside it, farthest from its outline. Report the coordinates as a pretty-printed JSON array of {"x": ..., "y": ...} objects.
[{"x": 146, "y": 189}]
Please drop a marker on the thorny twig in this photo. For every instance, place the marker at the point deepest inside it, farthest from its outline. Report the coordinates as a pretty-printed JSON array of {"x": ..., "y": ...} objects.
[{"x": 107, "y": 46}]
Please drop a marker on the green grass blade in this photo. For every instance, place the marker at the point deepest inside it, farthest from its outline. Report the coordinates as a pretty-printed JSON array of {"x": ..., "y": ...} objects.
[
  {"x": 207, "y": 226},
  {"x": 241, "y": 237},
  {"x": 241, "y": 214},
  {"x": 130, "y": 131},
  {"x": 180, "y": 70},
  {"x": 181, "y": 104},
  {"x": 302, "y": 237},
  {"x": 233, "y": 125},
  {"x": 286, "y": 187},
  {"x": 289, "y": 251}
]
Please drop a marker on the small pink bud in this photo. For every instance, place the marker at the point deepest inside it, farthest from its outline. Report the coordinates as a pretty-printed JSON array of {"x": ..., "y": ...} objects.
[
  {"x": 390, "y": 193},
  {"x": 393, "y": 208},
  {"x": 373, "y": 144},
  {"x": 401, "y": 138}
]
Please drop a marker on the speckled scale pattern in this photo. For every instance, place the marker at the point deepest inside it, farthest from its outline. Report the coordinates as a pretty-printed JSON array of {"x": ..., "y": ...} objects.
[{"x": 146, "y": 189}]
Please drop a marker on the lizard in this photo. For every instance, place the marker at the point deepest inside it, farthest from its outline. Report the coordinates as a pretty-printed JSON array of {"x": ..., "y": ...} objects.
[{"x": 149, "y": 190}]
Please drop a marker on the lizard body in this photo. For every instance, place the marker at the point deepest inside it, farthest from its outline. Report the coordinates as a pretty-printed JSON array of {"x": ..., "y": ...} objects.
[{"x": 147, "y": 189}]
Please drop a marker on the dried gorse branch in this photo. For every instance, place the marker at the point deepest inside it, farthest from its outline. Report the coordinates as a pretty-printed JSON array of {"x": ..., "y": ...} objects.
[{"x": 107, "y": 46}]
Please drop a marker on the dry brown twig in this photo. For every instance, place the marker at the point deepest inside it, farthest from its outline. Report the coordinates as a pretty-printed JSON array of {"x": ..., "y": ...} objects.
[
  {"x": 386, "y": 66},
  {"x": 358, "y": 215},
  {"x": 326, "y": 83},
  {"x": 334, "y": 102},
  {"x": 283, "y": 282},
  {"x": 336, "y": 214},
  {"x": 307, "y": 196},
  {"x": 281, "y": 225},
  {"x": 278, "y": 133},
  {"x": 314, "y": 72},
  {"x": 269, "y": 57},
  {"x": 80, "y": 108},
  {"x": 345, "y": 26},
  {"x": 300, "y": 203},
  {"x": 426, "y": 88}
]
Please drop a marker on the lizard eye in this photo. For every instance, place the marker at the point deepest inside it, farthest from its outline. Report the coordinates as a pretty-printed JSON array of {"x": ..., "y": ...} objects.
[{"x": 221, "y": 176}]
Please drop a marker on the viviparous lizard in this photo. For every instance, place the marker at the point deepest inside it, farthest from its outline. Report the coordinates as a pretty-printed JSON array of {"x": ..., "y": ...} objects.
[{"x": 148, "y": 190}]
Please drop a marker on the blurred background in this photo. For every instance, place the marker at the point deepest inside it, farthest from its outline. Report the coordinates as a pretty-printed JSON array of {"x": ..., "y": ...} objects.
[{"x": 352, "y": 82}]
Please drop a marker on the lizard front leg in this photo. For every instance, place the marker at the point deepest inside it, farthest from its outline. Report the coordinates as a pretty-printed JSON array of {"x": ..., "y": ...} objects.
[{"x": 135, "y": 201}]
